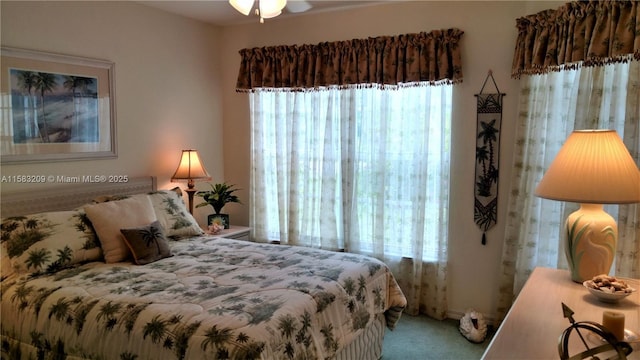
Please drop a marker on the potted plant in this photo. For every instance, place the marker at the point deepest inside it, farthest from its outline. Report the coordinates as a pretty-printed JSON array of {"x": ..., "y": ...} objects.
[{"x": 218, "y": 197}]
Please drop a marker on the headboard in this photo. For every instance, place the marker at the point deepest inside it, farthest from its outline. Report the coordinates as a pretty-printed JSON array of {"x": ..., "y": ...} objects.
[{"x": 69, "y": 196}]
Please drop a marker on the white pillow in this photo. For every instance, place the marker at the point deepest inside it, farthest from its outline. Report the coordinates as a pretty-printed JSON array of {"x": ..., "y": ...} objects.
[{"x": 109, "y": 217}]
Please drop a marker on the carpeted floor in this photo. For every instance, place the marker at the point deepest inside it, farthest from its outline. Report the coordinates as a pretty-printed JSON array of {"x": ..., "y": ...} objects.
[{"x": 422, "y": 338}]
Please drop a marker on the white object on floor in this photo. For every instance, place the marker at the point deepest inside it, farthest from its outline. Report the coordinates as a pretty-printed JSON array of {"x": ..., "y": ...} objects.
[{"x": 473, "y": 326}]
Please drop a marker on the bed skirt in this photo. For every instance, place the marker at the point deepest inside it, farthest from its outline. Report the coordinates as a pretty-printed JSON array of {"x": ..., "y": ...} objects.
[{"x": 367, "y": 346}]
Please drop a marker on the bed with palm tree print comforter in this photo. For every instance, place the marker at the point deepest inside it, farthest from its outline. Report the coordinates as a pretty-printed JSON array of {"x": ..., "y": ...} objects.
[{"x": 215, "y": 298}]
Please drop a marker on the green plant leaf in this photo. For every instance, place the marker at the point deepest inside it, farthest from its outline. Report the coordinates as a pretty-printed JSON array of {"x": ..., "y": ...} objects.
[{"x": 219, "y": 195}]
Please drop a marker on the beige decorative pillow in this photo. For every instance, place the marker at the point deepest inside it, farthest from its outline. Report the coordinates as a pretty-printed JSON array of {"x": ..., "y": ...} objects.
[
  {"x": 47, "y": 242},
  {"x": 147, "y": 243},
  {"x": 109, "y": 217},
  {"x": 170, "y": 209}
]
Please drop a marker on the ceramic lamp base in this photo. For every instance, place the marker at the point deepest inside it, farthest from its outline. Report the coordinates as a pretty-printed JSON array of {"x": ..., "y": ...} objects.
[{"x": 591, "y": 242}]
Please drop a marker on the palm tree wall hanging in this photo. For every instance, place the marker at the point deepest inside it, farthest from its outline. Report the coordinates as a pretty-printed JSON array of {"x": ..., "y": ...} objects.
[{"x": 489, "y": 119}]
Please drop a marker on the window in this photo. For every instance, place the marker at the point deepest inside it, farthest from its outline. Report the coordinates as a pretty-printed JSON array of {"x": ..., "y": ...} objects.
[{"x": 364, "y": 169}]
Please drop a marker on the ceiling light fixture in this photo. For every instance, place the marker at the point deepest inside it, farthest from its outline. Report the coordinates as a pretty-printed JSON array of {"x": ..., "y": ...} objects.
[{"x": 266, "y": 9}]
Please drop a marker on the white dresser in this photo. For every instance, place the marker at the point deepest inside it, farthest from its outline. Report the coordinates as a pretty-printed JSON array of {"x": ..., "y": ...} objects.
[{"x": 535, "y": 322}]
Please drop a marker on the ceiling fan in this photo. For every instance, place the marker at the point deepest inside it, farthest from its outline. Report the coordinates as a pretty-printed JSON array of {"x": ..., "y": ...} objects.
[{"x": 267, "y": 9}]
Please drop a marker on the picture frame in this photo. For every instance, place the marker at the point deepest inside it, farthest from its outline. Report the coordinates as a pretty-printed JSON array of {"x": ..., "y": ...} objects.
[{"x": 55, "y": 107}]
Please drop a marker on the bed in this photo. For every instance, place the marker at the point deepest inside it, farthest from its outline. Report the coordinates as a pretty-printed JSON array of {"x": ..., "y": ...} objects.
[{"x": 167, "y": 290}]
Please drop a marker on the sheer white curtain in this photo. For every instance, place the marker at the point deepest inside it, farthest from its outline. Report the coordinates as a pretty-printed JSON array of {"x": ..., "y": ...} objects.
[
  {"x": 360, "y": 169},
  {"x": 551, "y": 106}
]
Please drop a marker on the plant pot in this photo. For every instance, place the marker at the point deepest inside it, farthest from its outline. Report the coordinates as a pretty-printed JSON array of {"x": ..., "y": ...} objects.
[{"x": 222, "y": 219}]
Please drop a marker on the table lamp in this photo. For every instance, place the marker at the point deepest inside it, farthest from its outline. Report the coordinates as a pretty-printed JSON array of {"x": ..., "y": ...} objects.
[
  {"x": 592, "y": 168},
  {"x": 190, "y": 169}
]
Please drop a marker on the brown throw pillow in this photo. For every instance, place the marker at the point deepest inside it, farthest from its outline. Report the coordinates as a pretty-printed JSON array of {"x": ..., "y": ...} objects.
[{"x": 147, "y": 243}]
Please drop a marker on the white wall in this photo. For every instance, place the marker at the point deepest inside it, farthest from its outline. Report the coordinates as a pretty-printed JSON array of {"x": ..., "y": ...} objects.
[
  {"x": 167, "y": 80},
  {"x": 175, "y": 83},
  {"x": 487, "y": 44}
]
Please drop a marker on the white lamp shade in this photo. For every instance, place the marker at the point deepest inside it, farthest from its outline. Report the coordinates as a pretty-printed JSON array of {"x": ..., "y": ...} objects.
[
  {"x": 593, "y": 166},
  {"x": 243, "y": 6},
  {"x": 271, "y": 8},
  {"x": 190, "y": 167}
]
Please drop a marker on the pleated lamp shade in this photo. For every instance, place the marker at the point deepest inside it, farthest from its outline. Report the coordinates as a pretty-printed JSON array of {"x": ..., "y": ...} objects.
[
  {"x": 593, "y": 166},
  {"x": 190, "y": 168}
]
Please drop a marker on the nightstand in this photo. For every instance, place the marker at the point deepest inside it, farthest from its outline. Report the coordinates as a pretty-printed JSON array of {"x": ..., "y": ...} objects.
[{"x": 235, "y": 232}]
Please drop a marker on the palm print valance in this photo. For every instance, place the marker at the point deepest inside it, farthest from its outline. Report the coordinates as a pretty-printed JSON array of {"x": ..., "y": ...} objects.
[
  {"x": 387, "y": 60},
  {"x": 594, "y": 32}
]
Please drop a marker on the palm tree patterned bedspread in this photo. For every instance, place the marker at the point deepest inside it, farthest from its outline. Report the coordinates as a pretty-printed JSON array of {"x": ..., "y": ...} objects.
[{"x": 214, "y": 298}]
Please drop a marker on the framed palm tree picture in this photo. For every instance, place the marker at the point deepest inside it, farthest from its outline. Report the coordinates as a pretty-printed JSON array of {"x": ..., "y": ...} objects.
[{"x": 55, "y": 107}]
